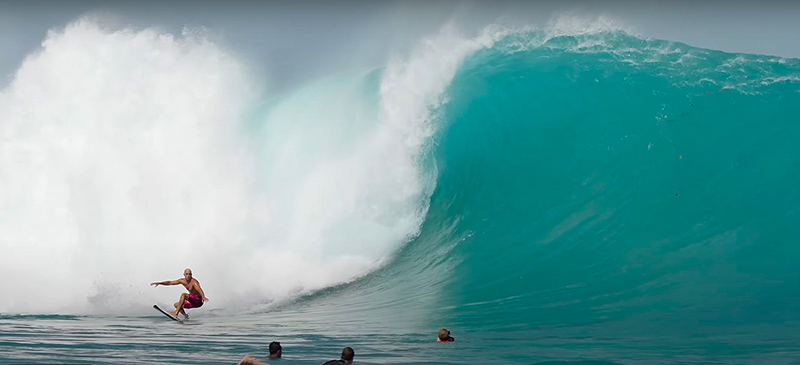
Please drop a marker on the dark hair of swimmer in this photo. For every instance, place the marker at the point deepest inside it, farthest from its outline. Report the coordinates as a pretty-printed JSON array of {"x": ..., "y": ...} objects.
[
  {"x": 275, "y": 349},
  {"x": 348, "y": 354}
]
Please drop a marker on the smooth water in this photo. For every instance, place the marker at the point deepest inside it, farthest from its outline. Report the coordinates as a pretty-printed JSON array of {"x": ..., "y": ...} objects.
[{"x": 590, "y": 197}]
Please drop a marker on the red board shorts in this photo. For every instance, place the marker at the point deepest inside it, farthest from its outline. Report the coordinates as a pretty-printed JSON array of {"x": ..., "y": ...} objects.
[{"x": 192, "y": 301}]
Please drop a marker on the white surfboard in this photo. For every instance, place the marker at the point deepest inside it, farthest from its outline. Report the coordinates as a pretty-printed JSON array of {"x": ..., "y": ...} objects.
[{"x": 167, "y": 314}]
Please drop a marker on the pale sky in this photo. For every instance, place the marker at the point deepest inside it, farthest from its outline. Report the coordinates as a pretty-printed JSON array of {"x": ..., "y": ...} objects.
[{"x": 309, "y": 38}]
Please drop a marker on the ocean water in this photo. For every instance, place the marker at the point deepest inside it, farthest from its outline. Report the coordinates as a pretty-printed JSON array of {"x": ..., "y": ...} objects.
[{"x": 549, "y": 196}]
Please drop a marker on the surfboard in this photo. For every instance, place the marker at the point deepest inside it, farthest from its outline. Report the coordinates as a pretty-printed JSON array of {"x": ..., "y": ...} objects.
[{"x": 167, "y": 314}]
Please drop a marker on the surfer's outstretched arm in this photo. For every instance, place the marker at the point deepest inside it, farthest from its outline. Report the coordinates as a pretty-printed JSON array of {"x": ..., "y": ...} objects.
[{"x": 168, "y": 282}]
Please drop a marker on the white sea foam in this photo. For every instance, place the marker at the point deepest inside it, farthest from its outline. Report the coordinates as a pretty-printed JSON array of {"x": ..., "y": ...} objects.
[{"x": 126, "y": 156}]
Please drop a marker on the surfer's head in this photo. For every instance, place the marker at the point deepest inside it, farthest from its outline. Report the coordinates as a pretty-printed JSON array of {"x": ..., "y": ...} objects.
[
  {"x": 275, "y": 349},
  {"x": 187, "y": 274}
]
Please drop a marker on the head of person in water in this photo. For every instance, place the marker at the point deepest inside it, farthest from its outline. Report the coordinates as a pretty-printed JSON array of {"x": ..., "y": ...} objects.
[
  {"x": 444, "y": 336},
  {"x": 347, "y": 355},
  {"x": 275, "y": 350}
]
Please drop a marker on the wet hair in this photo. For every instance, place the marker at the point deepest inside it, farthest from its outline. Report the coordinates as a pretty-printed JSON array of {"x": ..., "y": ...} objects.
[
  {"x": 274, "y": 347},
  {"x": 348, "y": 354},
  {"x": 444, "y": 334}
]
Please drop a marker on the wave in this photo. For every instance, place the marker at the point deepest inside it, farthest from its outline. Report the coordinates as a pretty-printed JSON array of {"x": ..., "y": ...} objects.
[
  {"x": 572, "y": 178},
  {"x": 606, "y": 184}
]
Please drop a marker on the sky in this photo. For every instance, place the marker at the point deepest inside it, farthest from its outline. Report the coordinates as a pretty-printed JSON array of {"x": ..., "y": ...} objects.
[{"x": 306, "y": 39}]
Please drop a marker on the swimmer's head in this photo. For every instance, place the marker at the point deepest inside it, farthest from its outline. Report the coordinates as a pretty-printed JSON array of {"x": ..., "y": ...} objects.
[
  {"x": 443, "y": 334},
  {"x": 275, "y": 349},
  {"x": 348, "y": 354}
]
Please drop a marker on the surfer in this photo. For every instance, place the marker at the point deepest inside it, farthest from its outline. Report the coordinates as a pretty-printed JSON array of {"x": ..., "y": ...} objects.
[{"x": 194, "y": 299}]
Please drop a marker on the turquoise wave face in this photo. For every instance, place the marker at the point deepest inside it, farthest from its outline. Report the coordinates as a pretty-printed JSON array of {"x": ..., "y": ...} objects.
[{"x": 605, "y": 188}]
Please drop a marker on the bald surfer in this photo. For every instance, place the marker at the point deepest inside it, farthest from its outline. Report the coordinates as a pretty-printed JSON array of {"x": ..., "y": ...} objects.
[{"x": 194, "y": 299}]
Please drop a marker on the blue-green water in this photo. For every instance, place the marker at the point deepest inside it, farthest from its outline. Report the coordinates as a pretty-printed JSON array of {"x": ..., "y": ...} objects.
[{"x": 597, "y": 198}]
